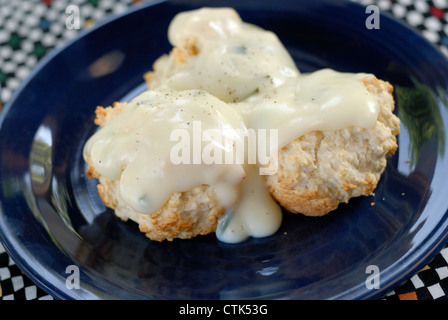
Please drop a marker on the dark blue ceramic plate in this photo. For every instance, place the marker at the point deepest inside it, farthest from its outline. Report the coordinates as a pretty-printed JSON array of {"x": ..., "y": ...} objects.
[{"x": 52, "y": 217}]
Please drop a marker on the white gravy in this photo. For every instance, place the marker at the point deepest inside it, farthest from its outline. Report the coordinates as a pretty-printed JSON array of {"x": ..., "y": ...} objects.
[
  {"x": 137, "y": 145},
  {"x": 242, "y": 79},
  {"x": 235, "y": 58}
]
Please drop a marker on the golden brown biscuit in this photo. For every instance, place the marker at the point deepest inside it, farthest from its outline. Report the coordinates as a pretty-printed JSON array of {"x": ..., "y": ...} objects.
[
  {"x": 185, "y": 214},
  {"x": 316, "y": 172},
  {"x": 322, "y": 169},
  {"x": 169, "y": 64}
]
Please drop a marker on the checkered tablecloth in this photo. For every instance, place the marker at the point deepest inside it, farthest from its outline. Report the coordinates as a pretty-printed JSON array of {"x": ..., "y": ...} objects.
[{"x": 29, "y": 29}]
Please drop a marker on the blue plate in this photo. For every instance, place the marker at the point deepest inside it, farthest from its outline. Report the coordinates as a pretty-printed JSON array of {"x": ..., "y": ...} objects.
[{"x": 53, "y": 223}]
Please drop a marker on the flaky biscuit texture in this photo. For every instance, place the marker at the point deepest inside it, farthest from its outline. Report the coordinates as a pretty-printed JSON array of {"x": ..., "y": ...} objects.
[{"x": 322, "y": 169}]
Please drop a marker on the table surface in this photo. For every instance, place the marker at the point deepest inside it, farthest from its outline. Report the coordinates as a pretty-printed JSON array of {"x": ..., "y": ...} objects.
[{"x": 30, "y": 29}]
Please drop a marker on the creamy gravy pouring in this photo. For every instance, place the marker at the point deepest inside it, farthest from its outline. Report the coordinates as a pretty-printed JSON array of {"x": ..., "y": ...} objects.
[
  {"x": 242, "y": 79},
  {"x": 322, "y": 100},
  {"x": 141, "y": 146},
  {"x": 235, "y": 58}
]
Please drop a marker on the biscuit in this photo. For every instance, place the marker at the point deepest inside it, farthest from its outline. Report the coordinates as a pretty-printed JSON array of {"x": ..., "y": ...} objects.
[
  {"x": 316, "y": 172},
  {"x": 322, "y": 169},
  {"x": 185, "y": 214}
]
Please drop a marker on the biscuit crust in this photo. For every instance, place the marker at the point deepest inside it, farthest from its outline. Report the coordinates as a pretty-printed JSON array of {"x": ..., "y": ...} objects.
[
  {"x": 185, "y": 214},
  {"x": 322, "y": 169}
]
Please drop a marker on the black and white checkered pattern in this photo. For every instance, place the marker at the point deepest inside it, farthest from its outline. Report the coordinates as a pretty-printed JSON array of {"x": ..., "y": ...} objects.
[
  {"x": 31, "y": 28},
  {"x": 427, "y": 17},
  {"x": 431, "y": 283},
  {"x": 14, "y": 285}
]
